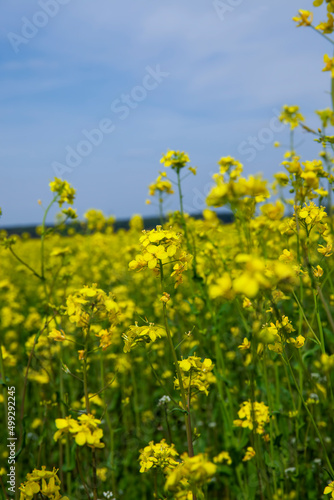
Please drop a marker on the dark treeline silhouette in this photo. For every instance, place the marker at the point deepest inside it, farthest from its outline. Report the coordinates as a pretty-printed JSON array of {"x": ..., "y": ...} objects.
[{"x": 81, "y": 227}]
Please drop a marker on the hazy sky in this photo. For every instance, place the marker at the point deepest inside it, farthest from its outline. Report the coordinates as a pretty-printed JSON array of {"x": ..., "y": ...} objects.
[{"x": 96, "y": 91}]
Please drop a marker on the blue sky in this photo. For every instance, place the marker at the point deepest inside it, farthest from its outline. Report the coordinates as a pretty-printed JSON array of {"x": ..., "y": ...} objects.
[{"x": 198, "y": 76}]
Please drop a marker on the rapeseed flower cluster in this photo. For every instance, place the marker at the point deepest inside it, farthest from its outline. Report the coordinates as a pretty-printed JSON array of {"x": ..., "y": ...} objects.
[
  {"x": 42, "y": 482},
  {"x": 196, "y": 374},
  {"x": 84, "y": 430},
  {"x": 137, "y": 334},
  {"x": 158, "y": 455},
  {"x": 235, "y": 191},
  {"x": 64, "y": 191},
  {"x": 191, "y": 473},
  {"x": 161, "y": 247},
  {"x": 253, "y": 415}
]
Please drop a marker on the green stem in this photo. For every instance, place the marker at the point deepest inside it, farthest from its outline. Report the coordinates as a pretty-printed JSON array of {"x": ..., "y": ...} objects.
[
  {"x": 25, "y": 264},
  {"x": 43, "y": 240},
  {"x": 135, "y": 401},
  {"x": 271, "y": 406},
  {"x": 88, "y": 411},
  {"x": 111, "y": 430},
  {"x": 323, "y": 35},
  {"x": 178, "y": 372},
  {"x": 312, "y": 420},
  {"x": 181, "y": 210},
  {"x": 4, "y": 489},
  {"x": 322, "y": 339},
  {"x": 63, "y": 414},
  {"x": 305, "y": 318},
  {"x": 161, "y": 212}
]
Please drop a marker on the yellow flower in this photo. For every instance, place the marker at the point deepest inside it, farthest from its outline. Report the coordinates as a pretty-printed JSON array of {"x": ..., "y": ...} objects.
[
  {"x": 70, "y": 213},
  {"x": 329, "y": 489},
  {"x": 196, "y": 374},
  {"x": 101, "y": 473},
  {"x": 325, "y": 251},
  {"x": 298, "y": 342},
  {"x": 329, "y": 64},
  {"x": 245, "y": 345},
  {"x": 250, "y": 453},
  {"x": 327, "y": 27},
  {"x": 160, "y": 455},
  {"x": 57, "y": 335},
  {"x": 224, "y": 456},
  {"x": 161, "y": 185},
  {"x": 305, "y": 19},
  {"x": 196, "y": 470},
  {"x": 175, "y": 159},
  {"x": 253, "y": 413},
  {"x": 291, "y": 115},
  {"x": 327, "y": 362},
  {"x": 326, "y": 116},
  {"x": 165, "y": 297},
  {"x": 246, "y": 303},
  {"x": 138, "y": 334},
  {"x": 42, "y": 481},
  {"x": 159, "y": 247},
  {"x": 85, "y": 430},
  {"x": 281, "y": 178},
  {"x": 64, "y": 191},
  {"x": 318, "y": 271}
]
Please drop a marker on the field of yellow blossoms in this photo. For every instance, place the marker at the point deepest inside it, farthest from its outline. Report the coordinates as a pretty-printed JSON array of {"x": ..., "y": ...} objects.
[{"x": 190, "y": 361}]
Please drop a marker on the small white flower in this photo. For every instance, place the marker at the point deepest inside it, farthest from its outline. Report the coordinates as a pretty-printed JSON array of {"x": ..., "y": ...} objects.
[{"x": 164, "y": 400}]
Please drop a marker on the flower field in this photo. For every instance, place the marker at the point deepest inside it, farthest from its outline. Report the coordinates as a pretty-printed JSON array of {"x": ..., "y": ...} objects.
[{"x": 193, "y": 360}]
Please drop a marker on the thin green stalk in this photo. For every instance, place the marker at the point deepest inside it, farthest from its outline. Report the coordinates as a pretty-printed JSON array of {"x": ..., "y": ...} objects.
[
  {"x": 169, "y": 432},
  {"x": 243, "y": 484},
  {"x": 4, "y": 489},
  {"x": 135, "y": 401},
  {"x": 331, "y": 471},
  {"x": 179, "y": 376},
  {"x": 63, "y": 414},
  {"x": 111, "y": 430},
  {"x": 322, "y": 339},
  {"x": 271, "y": 430},
  {"x": 181, "y": 207},
  {"x": 323, "y": 35},
  {"x": 255, "y": 436},
  {"x": 25, "y": 264},
  {"x": 227, "y": 415},
  {"x": 305, "y": 318},
  {"x": 43, "y": 236},
  {"x": 87, "y": 404},
  {"x": 178, "y": 372},
  {"x": 161, "y": 212},
  {"x": 78, "y": 462}
]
